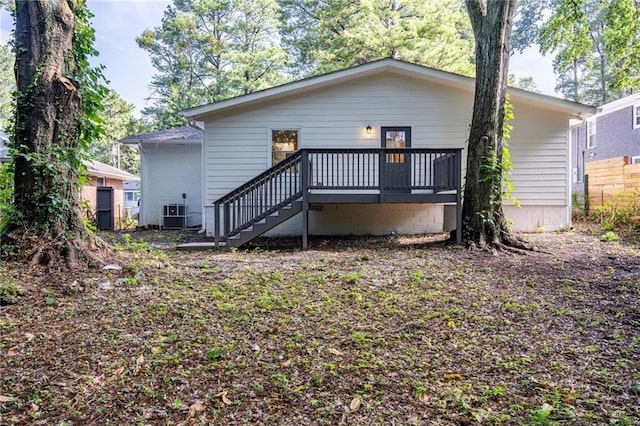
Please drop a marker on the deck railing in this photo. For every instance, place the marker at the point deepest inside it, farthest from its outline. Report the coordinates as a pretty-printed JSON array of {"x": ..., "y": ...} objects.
[
  {"x": 377, "y": 170},
  {"x": 384, "y": 169}
]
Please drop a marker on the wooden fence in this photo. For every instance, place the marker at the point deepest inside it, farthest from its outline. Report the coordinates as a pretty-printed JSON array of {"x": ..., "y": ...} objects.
[{"x": 613, "y": 180}]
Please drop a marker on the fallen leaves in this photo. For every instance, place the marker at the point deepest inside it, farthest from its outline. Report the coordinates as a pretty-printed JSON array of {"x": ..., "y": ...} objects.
[
  {"x": 139, "y": 365},
  {"x": 196, "y": 348},
  {"x": 336, "y": 352},
  {"x": 285, "y": 363},
  {"x": 454, "y": 376},
  {"x": 194, "y": 409},
  {"x": 356, "y": 402},
  {"x": 223, "y": 396}
]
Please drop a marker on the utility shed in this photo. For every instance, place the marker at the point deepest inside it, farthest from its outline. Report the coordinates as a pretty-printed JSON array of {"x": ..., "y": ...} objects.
[{"x": 171, "y": 177}]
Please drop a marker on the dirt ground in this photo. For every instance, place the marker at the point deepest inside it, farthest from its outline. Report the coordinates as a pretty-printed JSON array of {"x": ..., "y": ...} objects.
[{"x": 380, "y": 330}]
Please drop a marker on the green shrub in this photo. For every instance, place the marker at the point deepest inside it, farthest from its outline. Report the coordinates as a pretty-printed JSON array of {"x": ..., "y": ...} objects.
[{"x": 610, "y": 237}]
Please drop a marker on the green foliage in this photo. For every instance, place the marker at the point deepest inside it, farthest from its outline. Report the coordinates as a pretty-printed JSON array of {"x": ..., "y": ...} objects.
[
  {"x": 326, "y": 36},
  {"x": 7, "y": 86},
  {"x": 577, "y": 204},
  {"x": 9, "y": 291},
  {"x": 207, "y": 51},
  {"x": 610, "y": 237},
  {"x": 619, "y": 211},
  {"x": 118, "y": 122},
  {"x": 91, "y": 81},
  {"x": 53, "y": 165},
  {"x": 594, "y": 42},
  {"x": 128, "y": 243},
  {"x": 6, "y": 191},
  {"x": 496, "y": 168}
]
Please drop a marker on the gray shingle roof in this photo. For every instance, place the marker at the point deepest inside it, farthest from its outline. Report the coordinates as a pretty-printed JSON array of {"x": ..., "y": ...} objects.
[
  {"x": 96, "y": 168},
  {"x": 186, "y": 133}
]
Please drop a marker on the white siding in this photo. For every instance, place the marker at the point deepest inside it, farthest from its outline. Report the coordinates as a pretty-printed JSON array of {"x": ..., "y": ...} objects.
[
  {"x": 168, "y": 172},
  {"x": 236, "y": 140}
]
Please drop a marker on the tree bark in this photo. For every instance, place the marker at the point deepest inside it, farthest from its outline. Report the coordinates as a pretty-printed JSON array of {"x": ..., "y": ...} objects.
[
  {"x": 46, "y": 222},
  {"x": 482, "y": 213}
]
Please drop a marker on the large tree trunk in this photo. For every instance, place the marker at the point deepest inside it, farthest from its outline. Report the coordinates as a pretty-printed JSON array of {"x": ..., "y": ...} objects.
[
  {"x": 46, "y": 222},
  {"x": 482, "y": 214}
]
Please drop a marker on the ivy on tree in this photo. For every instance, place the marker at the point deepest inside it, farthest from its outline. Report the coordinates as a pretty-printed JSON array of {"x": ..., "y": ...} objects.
[
  {"x": 58, "y": 101},
  {"x": 484, "y": 223}
]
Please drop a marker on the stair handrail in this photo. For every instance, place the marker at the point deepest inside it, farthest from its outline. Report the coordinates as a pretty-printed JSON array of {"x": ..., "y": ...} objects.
[
  {"x": 287, "y": 163},
  {"x": 263, "y": 178}
]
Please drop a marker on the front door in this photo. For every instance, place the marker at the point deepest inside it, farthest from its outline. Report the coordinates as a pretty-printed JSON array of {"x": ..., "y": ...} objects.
[{"x": 397, "y": 165}]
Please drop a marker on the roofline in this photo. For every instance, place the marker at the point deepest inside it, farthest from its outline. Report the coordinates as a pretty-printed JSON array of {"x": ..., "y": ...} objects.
[
  {"x": 116, "y": 176},
  {"x": 371, "y": 68},
  {"x": 618, "y": 104},
  {"x": 136, "y": 141},
  {"x": 112, "y": 174}
]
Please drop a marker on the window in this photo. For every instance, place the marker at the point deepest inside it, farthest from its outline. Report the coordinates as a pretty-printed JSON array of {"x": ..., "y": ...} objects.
[
  {"x": 129, "y": 196},
  {"x": 591, "y": 134},
  {"x": 636, "y": 116},
  {"x": 635, "y": 160},
  {"x": 283, "y": 144},
  {"x": 101, "y": 181}
]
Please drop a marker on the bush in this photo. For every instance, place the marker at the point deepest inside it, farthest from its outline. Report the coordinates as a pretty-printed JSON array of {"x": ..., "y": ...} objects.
[{"x": 610, "y": 237}]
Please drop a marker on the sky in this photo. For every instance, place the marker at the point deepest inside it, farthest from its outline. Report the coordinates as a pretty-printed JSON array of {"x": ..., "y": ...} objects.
[{"x": 128, "y": 68}]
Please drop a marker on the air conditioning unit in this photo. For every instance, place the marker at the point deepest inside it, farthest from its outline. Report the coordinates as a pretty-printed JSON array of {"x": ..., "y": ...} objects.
[
  {"x": 174, "y": 210},
  {"x": 174, "y": 216}
]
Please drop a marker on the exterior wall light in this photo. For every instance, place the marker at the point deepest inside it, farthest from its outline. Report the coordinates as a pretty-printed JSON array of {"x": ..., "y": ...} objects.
[{"x": 368, "y": 130}]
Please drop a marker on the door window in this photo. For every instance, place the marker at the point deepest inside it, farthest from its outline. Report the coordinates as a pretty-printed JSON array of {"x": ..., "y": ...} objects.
[{"x": 395, "y": 139}]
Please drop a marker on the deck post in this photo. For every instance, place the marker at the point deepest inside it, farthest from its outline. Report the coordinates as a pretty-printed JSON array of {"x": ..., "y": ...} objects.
[
  {"x": 216, "y": 224},
  {"x": 381, "y": 173},
  {"x": 458, "y": 181},
  {"x": 305, "y": 198},
  {"x": 226, "y": 217}
]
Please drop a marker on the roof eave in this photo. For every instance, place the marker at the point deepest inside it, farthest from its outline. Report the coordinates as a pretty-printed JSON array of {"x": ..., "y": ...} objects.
[
  {"x": 552, "y": 103},
  {"x": 178, "y": 141}
]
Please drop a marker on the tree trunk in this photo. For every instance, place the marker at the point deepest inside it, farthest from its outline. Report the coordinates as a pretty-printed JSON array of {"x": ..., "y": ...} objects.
[
  {"x": 46, "y": 222},
  {"x": 482, "y": 214}
]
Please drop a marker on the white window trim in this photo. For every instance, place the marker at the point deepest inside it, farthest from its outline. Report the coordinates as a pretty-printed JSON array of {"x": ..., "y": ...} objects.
[
  {"x": 635, "y": 159},
  {"x": 636, "y": 116},
  {"x": 270, "y": 139},
  {"x": 589, "y": 134}
]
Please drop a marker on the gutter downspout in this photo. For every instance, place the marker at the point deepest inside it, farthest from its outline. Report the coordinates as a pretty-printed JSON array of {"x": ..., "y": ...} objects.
[
  {"x": 142, "y": 218},
  {"x": 203, "y": 229}
]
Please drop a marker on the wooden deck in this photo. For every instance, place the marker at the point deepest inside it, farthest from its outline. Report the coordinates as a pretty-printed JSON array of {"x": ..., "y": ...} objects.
[{"x": 319, "y": 176}]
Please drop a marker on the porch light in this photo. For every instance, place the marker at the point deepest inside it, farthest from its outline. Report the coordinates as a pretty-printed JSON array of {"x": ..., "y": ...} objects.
[{"x": 368, "y": 130}]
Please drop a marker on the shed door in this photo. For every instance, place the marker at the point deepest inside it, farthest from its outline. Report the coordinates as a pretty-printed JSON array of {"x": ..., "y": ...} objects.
[
  {"x": 104, "y": 207},
  {"x": 397, "y": 165}
]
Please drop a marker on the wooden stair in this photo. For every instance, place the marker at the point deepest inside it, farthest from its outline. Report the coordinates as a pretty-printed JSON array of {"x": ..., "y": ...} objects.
[{"x": 283, "y": 214}]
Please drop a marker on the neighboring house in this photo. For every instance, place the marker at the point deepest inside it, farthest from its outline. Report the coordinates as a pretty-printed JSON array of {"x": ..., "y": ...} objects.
[
  {"x": 613, "y": 132},
  {"x": 131, "y": 197},
  {"x": 344, "y": 182},
  {"x": 104, "y": 193},
  {"x": 4, "y": 150},
  {"x": 171, "y": 177}
]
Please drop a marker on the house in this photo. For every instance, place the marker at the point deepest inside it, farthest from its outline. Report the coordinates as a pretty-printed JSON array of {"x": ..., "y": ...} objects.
[
  {"x": 4, "y": 150},
  {"x": 378, "y": 148},
  {"x": 131, "y": 196},
  {"x": 171, "y": 177},
  {"x": 613, "y": 132},
  {"x": 104, "y": 194}
]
